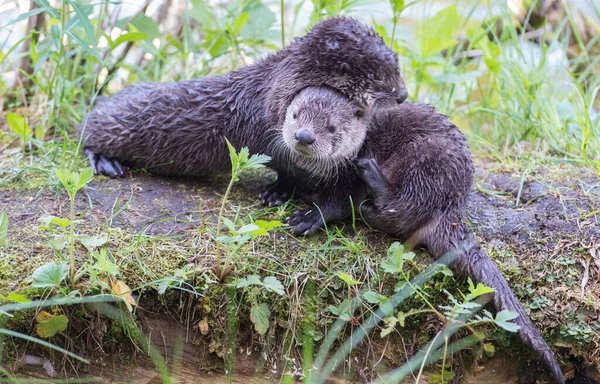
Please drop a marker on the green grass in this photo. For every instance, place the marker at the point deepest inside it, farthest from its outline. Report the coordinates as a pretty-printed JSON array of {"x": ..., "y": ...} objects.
[{"x": 523, "y": 105}]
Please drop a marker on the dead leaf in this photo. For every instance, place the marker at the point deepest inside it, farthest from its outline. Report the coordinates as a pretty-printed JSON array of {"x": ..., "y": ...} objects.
[
  {"x": 586, "y": 275},
  {"x": 43, "y": 316},
  {"x": 123, "y": 290},
  {"x": 203, "y": 325}
]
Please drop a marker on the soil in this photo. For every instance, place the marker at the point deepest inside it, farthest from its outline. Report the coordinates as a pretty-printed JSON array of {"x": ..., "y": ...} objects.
[{"x": 542, "y": 230}]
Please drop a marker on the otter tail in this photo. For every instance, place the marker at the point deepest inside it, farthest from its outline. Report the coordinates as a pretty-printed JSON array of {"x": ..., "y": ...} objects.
[{"x": 476, "y": 264}]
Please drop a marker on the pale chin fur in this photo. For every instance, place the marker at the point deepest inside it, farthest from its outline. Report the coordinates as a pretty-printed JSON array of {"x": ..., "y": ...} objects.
[{"x": 325, "y": 167}]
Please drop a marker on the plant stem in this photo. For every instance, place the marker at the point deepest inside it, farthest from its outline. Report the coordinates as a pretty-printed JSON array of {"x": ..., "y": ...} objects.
[
  {"x": 72, "y": 240},
  {"x": 282, "y": 6},
  {"x": 395, "y": 21},
  {"x": 220, "y": 221}
]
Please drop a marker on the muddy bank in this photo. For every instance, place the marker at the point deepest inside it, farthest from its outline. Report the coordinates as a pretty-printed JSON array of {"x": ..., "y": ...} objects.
[{"x": 541, "y": 228}]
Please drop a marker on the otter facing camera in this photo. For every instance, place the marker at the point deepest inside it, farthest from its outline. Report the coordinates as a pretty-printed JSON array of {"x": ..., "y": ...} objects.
[{"x": 304, "y": 137}]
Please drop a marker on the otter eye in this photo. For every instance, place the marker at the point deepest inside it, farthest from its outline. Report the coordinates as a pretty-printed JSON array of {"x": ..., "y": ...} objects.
[
  {"x": 331, "y": 129},
  {"x": 294, "y": 115}
]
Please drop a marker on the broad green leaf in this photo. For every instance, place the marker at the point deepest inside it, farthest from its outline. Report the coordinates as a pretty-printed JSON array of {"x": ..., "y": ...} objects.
[
  {"x": 401, "y": 318},
  {"x": 347, "y": 278},
  {"x": 372, "y": 297},
  {"x": 252, "y": 230},
  {"x": 492, "y": 63},
  {"x": 92, "y": 241},
  {"x": 250, "y": 280},
  {"x": 216, "y": 43},
  {"x": 239, "y": 23},
  {"x": 386, "y": 306},
  {"x": 442, "y": 25},
  {"x": 16, "y": 298},
  {"x": 146, "y": 25},
  {"x": 233, "y": 155},
  {"x": 396, "y": 257},
  {"x": 272, "y": 284},
  {"x": 257, "y": 161},
  {"x": 446, "y": 271},
  {"x": 503, "y": 320},
  {"x": 201, "y": 13},
  {"x": 260, "y": 20},
  {"x": 58, "y": 243},
  {"x": 259, "y": 315},
  {"x": 3, "y": 227},
  {"x": 397, "y": 6},
  {"x": 104, "y": 264},
  {"x": 18, "y": 124},
  {"x": 61, "y": 221},
  {"x": 391, "y": 322},
  {"x": 475, "y": 292},
  {"x": 342, "y": 311},
  {"x": 229, "y": 224},
  {"x": 489, "y": 348},
  {"x": 444, "y": 378},
  {"x": 49, "y": 275},
  {"x": 268, "y": 224},
  {"x": 432, "y": 45},
  {"x": 49, "y": 325},
  {"x": 84, "y": 177},
  {"x": 74, "y": 181},
  {"x": 39, "y": 132},
  {"x": 129, "y": 36}
]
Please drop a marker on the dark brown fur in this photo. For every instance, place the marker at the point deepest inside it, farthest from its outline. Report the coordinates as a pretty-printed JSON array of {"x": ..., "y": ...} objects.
[
  {"x": 418, "y": 173},
  {"x": 179, "y": 128}
]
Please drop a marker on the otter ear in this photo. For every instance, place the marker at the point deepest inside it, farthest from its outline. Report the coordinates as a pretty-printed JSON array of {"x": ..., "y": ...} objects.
[{"x": 359, "y": 113}]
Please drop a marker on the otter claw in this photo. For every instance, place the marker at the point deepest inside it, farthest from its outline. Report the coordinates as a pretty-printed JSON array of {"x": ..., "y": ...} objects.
[
  {"x": 275, "y": 194},
  {"x": 371, "y": 174},
  {"x": 305, "y": 222},
  {"x": 102, "y": 165}
]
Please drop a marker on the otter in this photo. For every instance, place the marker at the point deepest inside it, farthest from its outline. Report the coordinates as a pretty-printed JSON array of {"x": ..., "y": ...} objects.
[
  {"x": 416, "y": 170},
  {"x": 179, "y": 129}
]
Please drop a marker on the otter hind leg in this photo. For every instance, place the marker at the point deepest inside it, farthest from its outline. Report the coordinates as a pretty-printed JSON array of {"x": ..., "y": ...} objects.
[
  {"x": 105, "y": 166},
  {"x": 277, "y": 193},
  {"x": 371, "y": 174}
]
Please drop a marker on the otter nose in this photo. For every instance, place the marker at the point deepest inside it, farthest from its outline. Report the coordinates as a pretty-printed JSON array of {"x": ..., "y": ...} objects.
[
  {"x": 403, "y": 95},
  {"x": 304, "y": 137}
]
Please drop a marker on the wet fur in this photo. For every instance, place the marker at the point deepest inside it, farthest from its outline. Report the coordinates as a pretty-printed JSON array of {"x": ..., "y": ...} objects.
[
  {"x": 418, "y": 174},
  {"x": 179, "y": 128}
]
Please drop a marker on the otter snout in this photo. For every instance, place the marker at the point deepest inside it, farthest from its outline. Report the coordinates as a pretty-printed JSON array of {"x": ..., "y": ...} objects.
[
  {"x": 304, "y": 137},
  {"x": 403, "y": 95}
]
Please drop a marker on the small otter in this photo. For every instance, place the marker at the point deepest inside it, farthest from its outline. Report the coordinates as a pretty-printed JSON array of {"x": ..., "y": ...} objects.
[
  {"x": 179, "y": 128},
  {"x": 418, "y": 173}
]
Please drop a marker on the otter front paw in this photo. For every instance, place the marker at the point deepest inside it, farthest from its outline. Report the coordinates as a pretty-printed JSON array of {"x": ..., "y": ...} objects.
[
  {"x": 276, "y": 194},
  {"x": 305, "y": 221},
  {"x": 105, "y": 166},
  {"x": 371, "y": 174}
]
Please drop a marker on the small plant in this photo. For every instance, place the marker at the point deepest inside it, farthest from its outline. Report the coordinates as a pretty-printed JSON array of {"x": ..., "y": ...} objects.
[
  {"x": 239, "y": 163},
  {"x": 3, "y": 227},
  {"x": 72, "y": 182},
  {"x": 259, "y": 312}
]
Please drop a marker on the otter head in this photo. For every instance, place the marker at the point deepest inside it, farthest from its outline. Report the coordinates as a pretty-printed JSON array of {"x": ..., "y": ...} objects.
[
  {"x": 323, "y": 130},
  {"x": 343, "y": 54}
]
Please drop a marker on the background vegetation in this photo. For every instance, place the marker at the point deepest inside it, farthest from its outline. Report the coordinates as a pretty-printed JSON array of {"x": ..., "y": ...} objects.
[{"x": 524, "y": 91}]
